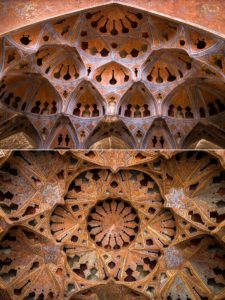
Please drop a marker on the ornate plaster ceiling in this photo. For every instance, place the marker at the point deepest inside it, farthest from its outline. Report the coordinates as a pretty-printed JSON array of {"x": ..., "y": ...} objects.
[
  {"x": 112, "y": 225},
  {"x": 116, "y": 73}
]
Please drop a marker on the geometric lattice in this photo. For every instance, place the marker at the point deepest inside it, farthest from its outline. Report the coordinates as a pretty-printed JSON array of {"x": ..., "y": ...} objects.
[
  {"x": 89, "y": 225},
  {"x": 113, "y": 224},
  {"x": 112, "y": 77}
]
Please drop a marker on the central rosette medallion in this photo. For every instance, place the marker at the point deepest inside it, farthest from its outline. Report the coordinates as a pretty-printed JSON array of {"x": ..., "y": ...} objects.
[{"x": 113, "y": 223}]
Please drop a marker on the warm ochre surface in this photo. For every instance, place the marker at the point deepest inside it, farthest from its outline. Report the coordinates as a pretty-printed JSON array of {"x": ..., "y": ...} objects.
[
  {"x": 109, "y": 225},
  {"x": 203, "y": 13},
  {"x": 112, "y": 77}
]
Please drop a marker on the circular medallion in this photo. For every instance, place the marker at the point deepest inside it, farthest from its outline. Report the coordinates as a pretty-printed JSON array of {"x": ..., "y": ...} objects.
[{"x": 113, "y": 224}]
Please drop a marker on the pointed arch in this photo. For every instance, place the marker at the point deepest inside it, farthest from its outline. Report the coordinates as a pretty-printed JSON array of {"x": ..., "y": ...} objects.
[
  {"x": 165, "y": 66},
  {"x": 29, "y": 93},
  {"x": 106, "y": 130},
  {"x": 137, "y": 102},
  {"x": 112, "y": 74},
  {"x": 209, "y": 133},
  {"x": 19, "y": 132},
  {"x": 196, "y": 98},
  {"x": 111, "y": 142},
  {"x": 60, "y": 62},
  {"x": 86, "y": 101},
  {"x": 159, "y": 136},
  {"x": 62, "y": 135},
  {"x": 113, "y": 48}
]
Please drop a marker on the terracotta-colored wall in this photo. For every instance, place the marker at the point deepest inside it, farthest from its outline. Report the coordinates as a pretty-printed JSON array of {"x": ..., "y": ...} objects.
[{"x": 206, "y": 14}]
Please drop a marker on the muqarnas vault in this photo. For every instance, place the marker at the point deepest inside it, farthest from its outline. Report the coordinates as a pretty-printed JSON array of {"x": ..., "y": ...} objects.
[
  {"x": 112, "y": 77},
  {"x": 112, "y": 225}
]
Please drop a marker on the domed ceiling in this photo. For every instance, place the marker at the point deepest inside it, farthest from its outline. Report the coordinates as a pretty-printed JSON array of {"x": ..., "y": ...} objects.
[
  {"x": 112, "y": 225},
  {"x": 116, "y": 73}
]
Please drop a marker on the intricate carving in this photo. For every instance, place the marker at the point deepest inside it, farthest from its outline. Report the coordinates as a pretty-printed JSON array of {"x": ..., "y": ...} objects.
[
  {"x": 76, "y": 225},
  {"x": 112, "y": 77},
  {"x": 113, "y": 223}
]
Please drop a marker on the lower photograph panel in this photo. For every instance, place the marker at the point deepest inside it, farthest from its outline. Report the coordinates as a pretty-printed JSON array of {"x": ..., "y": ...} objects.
[{"x": 106, "y": 225}]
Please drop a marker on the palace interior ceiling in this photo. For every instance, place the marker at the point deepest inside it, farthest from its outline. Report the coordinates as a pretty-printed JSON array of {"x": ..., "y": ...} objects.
[
  {"x": 112, "y": 77},
  {"x": 112, "y": 225},
  {"x": 128, "y": 99}
]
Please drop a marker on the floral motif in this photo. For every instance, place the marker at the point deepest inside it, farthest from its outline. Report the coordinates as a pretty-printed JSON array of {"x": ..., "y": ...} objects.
[{"x": 72, "y": 225}]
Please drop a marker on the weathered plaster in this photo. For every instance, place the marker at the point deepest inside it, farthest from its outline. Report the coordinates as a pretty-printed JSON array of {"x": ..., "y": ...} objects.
[{"x": 205, "y": 14}]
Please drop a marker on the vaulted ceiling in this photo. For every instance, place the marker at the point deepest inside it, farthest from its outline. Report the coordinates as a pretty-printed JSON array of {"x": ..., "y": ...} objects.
[
  {"x": 112, "y": 225},
  {"x": 112, "y": 77}
]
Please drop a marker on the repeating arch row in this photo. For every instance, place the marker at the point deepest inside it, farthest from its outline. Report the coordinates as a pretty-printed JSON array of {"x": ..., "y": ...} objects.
[
  {"x": 19, "y": 132},
  {"x": 132, "y": 68},
  {"x": 81, "y": 220},
  {"x": 198, "y": 98}
]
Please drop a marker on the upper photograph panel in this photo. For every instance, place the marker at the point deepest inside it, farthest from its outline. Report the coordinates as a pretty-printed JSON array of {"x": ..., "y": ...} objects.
[{"x": 112, "y": 77}]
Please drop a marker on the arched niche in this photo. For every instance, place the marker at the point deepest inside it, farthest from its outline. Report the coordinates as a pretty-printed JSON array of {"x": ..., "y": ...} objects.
[
  {"x": 86, "y": 102},
  {"x": 112, "y": 47},
  {"x": 115, "y": 31},
  {"x": 65, "y": 27},
  {"x": 159, "y": 136},
  {"x": 93, "y": 45},
  {"x": 165, "y": 66},
  {"x": 111, "y": 142},
  {"x": 116, "y": 129},
  {"x": 112, "y": 74},
  {"x": 115, "y": 20},
  {"x": 19, "y": 133},
  {"x": 63, "y": 135},
  {"x": 196, "y": 98},
  {"x": 137, "y": 103},
  {"x": 60, "y": 63},
  {"x": 129, "y": 50},
  {"x": 213, "y": 137},
  {"x": 29, "y": 93},
  {"x": 163, "y": 30}
]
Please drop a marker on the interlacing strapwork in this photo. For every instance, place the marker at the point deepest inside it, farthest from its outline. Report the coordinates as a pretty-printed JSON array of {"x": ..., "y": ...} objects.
[
  {"x": 112, "y": 77},
  {"x": 140, "y": 225}
]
